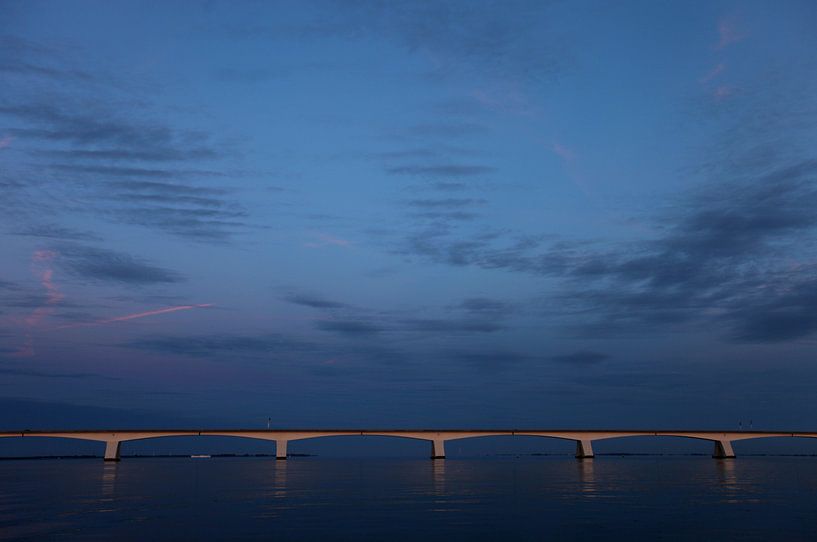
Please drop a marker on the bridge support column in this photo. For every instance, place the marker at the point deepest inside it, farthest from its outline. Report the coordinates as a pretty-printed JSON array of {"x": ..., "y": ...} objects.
[
  {"x": 112, "y": 450},
  {"x": 280, "y": 449},
  {"x": 723, "y": 450},
  {"x": 438, "y": 449},
  {"x": 584, "y": 449}
]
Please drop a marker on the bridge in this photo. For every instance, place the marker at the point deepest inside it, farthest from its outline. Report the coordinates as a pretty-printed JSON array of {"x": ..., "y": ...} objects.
[{"x": 113, "y": 438}]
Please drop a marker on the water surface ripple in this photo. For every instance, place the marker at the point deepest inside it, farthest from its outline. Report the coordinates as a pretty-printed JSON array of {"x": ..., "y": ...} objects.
[{"x": 521, "y": 498}]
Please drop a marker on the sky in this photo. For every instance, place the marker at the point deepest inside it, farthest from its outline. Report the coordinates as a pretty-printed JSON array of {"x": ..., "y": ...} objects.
[{"x": 408, "y": 214}]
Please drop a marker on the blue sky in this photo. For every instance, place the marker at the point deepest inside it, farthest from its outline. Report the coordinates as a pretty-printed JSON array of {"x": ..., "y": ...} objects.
[{"x": 409, "y": 213}]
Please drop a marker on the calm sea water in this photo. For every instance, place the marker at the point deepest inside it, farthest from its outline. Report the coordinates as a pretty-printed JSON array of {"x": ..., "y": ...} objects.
[{"x": 523, "y": 498}]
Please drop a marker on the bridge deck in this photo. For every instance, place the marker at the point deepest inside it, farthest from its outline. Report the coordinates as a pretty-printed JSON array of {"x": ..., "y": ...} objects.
[{"x": 583, "y": 437}]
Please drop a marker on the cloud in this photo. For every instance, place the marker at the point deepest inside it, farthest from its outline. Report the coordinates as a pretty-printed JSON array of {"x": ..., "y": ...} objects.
[
  {"x": 96, "y": 126},
  {"x": 7, "y": 285},
  {"x": 24, "y": 58},
  {"x": 484, "y": 306},
  {"x": 313, "y": 301},
  {"x": 581, "y": 357},
  {"x": 778, "y": 312},
  {"x": 565, "y": 153},
  {"x": 349, "y": 328},
  {"x": 437, "y": 151},
  {"x": 448, "y": 186},
  {"x": 261, "y": 75},
  {"x": 446, "y": 130},
  {"x": 713, "y": 73},
  {"x": 728, "y": 33},
  {"x": 34, "y": 373},
  {"x": 198, "y": 224},
  {"x": 134, "y": 184},
  {"x": 114, "y": 159},
  {"x": 446, "y": 215},
  {"x": 448, "y": 203},
  {"x": 719, "y": 258},
  {"x": 449, "y": 170},
  {"x": 137, "y": 315},
  {"x": 194, "y": 212},
  {"x": 109, "y": 265},
  {"x": 482, "y": 250},
  {"x": 445, "y": 209},
  {"x": 131, "y": 155},
  {"x": 490, "y": 361},
  {"x": 323, "y": 240},
  {"x": 486, "y": 39},
  {"x": 41, "y": 266},
  {"x": 139, "y": 172},
  {"x": 436, "y": 325},
  {"x": 167, "y": 190},
  {"x": 54, "y": 231},
  {"x": 30, "y": 300},
  {"x": 715, "y": 248},
  {"x": 218, "y": 345},
  {"x": 722, "y": 92},
  {"x": 482, "y": 315}
]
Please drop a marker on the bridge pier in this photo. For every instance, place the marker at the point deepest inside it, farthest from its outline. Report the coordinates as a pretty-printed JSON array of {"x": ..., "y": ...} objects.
[
  {"x": 438, "y": 449},
  {"x": 112, "y": 450},
  {"x": 280, "y": 449},
  {"x": 584, "y": 449},
  {"x": 723, "y": 450}
]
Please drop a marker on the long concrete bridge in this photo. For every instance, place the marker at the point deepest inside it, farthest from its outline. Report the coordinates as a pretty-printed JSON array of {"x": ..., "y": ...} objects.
[{"x": 584, "y": 439}]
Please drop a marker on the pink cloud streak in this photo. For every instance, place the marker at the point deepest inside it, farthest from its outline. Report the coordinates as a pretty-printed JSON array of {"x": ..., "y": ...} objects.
[
  {"x": 137, "y": 315},
  {"x": 728, "y": 34},
  {"x": 565, "y": 153},
  {"x": 713, "y": 73},
  {"x": 53, "y": 296},
  {"x": 324, "y": 240}
]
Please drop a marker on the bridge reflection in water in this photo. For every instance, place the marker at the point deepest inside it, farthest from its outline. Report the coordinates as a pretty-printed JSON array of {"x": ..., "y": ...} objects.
[{"x": 437, "y": 437}]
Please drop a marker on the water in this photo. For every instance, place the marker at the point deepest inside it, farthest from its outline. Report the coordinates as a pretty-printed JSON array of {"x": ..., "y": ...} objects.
[{"x": 513, "y": 498}]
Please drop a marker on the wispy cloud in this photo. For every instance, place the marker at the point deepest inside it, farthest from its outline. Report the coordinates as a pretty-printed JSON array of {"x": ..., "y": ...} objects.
[
  {"x": 447, "y": 170},
  {"x": 570, "y": 162},
  {"x": 581, "y": 357},
  {"x": 54, "y": 231},
  {"x": 716, "y": 71},
  {"x": 109, "y": 265},
  {"x": 439, "y": 325},
  {"x": 137, "y": 315},
  {"x": 721, "y": 92},
  {"x": 501, "y": 41},
  {"x": 27, "y": 59},
  {"x": 41, "y": 266},
  {"x": 728, "y": 33},
  {"x": 105, "y": 155},
  {"x": 35, "y": 373},
  {"x": 94, "y": 125},
  {"x": 445, "y": 130},
  {"x": 321, "y": 240},
  {"x": 487, "y": 307},
  {"x": 313, "y": 301},
  {"x": 562, "y": 151},
  {"x": 706, "y": 265},
  {"x": 219, "y": 345},
  {"x": 349, "y": 328}
]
